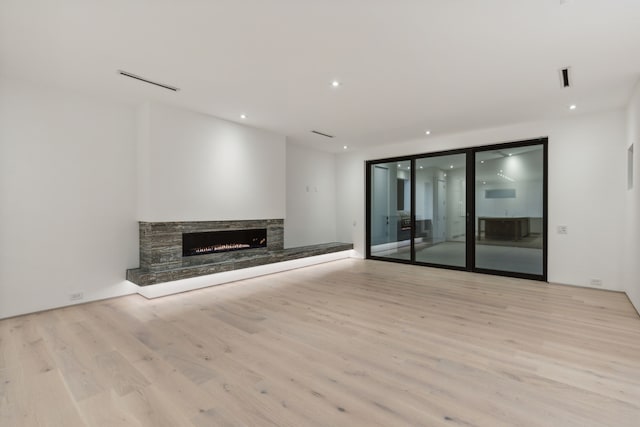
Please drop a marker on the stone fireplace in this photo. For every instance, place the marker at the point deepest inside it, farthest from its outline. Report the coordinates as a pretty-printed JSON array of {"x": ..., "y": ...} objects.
[
  {"x": 161, "y": 242},
  {"x": 172, "y": 251}
]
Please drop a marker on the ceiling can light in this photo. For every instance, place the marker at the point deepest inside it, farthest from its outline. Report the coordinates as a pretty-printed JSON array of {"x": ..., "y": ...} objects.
[
  {"x": 344, "y": 147},
  {"x": 243, "y": 116},
  {"x": 573, "y": 107},
  {"x": 335, "y": 83},
  {"x": 427, "y": 132}
]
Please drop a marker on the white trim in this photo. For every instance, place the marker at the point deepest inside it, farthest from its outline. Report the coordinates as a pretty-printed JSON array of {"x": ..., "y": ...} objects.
[{"x": 184, "y": 285}]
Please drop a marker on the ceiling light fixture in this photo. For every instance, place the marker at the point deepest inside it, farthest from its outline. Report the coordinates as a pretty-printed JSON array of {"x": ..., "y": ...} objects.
[
  {"x": 564, "y": 78},
  {"x": 506, "y": 177},
  {"x": 145, "y": 80},
  {"x": 344, "y": 147},
  {"x": 573, "y": 107},
  {"x": 322, "y": 134},
  {"x": 335, "y": 83},
  {"x": 450, "y": 166},
  {"x": 243, "y": 116},
  {"x": 427, "y": 132}
]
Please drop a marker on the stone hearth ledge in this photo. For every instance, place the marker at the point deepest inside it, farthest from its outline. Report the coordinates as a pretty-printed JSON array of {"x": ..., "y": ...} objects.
[
  {"x": 185, "y": 285},
  {"x": 144, "y": 277}
]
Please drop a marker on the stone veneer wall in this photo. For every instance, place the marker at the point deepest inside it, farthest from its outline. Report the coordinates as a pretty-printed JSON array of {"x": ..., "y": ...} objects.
[{"x": 161, "y": 242}]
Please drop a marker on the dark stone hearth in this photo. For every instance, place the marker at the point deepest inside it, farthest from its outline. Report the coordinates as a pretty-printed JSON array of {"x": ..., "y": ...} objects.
[
  {"x": 161, "y": 257},
  {"x": 144, "y": 278}
]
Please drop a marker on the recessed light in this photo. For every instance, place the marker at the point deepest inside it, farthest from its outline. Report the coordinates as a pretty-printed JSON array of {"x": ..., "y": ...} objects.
[
  {"x": 399, "y": 165},
  {"x": 427, "y": 132},
  {"x": 344, "y": 147},
  {"x": 481, "y": 161},
  {"x": 421, "y": 167},
  {"x": 484, "y": 182},
  {"x": 500, "y": 170},
  {"x": 573, "y": 107},
  {"x": 408, "y": 167},
  {"x": 450, "y": 166},
  {"x": 335, "y": 83},
  {"x": 510, "y": 154},
  {"x": 243, "y": 116}
]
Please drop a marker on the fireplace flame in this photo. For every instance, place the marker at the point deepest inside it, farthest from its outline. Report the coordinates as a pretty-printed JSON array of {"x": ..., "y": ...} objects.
[{"x": 218, "y": 248}]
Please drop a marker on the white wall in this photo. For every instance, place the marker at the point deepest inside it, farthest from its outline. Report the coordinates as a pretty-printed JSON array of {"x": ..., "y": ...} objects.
[
  {"x": 67, "y": 197},
  {"x": 631, "y": 276},
  {"x": 587, "y": 183},
  {"x": 311, "y": 197},
  {"x": 195, "y": 167},
  {"x": 78, "y": 173}
]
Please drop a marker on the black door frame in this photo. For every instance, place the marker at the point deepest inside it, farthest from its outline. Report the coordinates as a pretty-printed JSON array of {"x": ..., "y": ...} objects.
[{"x": 470, "y": 206}]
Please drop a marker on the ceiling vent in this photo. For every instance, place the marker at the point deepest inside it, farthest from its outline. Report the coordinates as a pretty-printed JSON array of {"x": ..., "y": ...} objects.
[
  {"x": 322, "y": 134},
  {"x": 142, "y": 79},
  {"x": 565, "y": 77}
]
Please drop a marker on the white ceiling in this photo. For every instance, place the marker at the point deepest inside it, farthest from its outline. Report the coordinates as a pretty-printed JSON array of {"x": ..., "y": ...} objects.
[{"x": 405, "y": 65}]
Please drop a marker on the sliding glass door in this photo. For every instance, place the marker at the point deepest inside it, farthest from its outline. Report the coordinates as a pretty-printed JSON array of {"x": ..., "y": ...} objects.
[
  {"x": 390, "y": 210},
  {"x": 509, "y": 207},
  {"x": 440, "y": 210},
  {"x": 479, "y": 209}
]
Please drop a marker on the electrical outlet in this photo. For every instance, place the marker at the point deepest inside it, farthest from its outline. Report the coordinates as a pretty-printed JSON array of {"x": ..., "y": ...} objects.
[
  {"x": 76, "y": 296},
  {"x": 596, "y": 282},
  {"x": 563, "y": 229}
]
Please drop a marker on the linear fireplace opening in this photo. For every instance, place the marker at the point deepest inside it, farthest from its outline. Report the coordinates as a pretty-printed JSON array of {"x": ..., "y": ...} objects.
[{"x": 209, "y": 242}]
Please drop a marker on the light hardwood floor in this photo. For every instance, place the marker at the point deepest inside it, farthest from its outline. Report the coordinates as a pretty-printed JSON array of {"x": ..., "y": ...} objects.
[{"x": 348, "y": 343}]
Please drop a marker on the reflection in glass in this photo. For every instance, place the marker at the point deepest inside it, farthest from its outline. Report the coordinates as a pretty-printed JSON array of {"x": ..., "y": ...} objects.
[
  {"x": 391, "y": 210},
  {"x": 441, "y": 210},
  {"x": 509, "y": 209}
]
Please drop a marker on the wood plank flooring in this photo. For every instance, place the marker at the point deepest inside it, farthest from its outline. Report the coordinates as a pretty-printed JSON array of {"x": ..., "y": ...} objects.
[{"x": 347, "y": 343}]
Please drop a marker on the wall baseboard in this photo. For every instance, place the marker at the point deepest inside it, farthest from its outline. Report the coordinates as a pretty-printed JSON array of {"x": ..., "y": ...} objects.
[{"x": 634, "y": 304}]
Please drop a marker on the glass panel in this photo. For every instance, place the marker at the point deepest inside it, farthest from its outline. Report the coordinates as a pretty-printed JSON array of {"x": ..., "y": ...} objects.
[
  {"x": 509, "y": 209},
  {"x": 391, "y": 210},
  {"x": 441, "y": 210}
]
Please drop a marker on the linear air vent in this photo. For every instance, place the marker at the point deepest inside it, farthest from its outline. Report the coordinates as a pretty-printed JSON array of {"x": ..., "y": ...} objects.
[
  {"x": 564, "y": 77},
  {"x": 322, "y": 134},
  {"x": 142, "y": 79}
]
